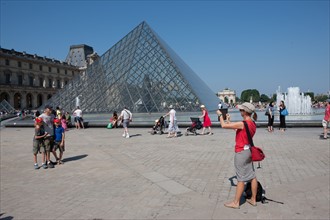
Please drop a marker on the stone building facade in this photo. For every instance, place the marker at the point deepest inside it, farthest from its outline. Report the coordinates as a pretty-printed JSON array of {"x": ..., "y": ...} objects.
[
  {"x": 227, "y": 96},
  {"x": 27, "y": 81}
]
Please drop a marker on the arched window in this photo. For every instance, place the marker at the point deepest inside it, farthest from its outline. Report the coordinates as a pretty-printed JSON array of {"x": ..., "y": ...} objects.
[
  {"x": 17, "y": 100},
  {"x": 29, "y": 100},
  {"x": 39, "y": 100},
  {"x": 226, "y": 99}
]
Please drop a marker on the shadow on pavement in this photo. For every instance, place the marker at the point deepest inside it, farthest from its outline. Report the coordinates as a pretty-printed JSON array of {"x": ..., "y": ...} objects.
[
  {"x": 135, "y": 135},
  {"x": 75, "y": 158},
  {"x": 6, "y": 218}
]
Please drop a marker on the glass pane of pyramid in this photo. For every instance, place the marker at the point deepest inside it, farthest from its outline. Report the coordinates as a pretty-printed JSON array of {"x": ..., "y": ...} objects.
[{"x": 140, "y": 72}]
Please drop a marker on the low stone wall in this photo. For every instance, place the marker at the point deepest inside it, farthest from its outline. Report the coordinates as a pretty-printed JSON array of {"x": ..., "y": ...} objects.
[{"x": 28, "y": 122}]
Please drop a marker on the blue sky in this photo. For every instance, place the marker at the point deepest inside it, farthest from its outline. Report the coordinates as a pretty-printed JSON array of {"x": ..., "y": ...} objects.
[{"x": 229, "y": 44}]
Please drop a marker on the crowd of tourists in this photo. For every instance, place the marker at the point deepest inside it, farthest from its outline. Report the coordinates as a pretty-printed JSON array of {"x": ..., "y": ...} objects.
[{"x": 50, "y": 127}]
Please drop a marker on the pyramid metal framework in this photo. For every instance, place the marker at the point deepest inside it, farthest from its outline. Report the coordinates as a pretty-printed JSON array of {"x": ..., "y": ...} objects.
[
  {"x": 140, "y": 72},
  {"x": 6, "y": 107}
]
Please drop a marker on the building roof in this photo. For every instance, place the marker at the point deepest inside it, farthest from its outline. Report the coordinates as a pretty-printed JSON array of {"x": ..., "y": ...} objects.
[{"x": 34, "y": 57}]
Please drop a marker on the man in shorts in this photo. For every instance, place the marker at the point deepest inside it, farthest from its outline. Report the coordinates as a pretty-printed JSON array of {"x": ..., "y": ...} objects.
[
  {"x": 48, "y": 119},
  {"x": 126, "y": 117},
  {"x": 78, "y": 119}
]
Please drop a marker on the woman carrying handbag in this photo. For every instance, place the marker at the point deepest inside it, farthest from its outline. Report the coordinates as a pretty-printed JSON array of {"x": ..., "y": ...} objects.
[
  {"x": 243, "y": 163},
  {"x": 283, "y": 113}
]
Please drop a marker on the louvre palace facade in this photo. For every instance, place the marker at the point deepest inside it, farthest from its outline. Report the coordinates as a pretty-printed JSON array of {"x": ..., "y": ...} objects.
[{"x": 27, "y": 81}]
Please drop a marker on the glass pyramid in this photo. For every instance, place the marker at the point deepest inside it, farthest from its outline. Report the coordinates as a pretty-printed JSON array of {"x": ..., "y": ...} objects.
[{"x": 140, "y": 72}]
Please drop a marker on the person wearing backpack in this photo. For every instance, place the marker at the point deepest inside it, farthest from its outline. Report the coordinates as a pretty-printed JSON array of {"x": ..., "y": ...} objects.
[{"x": 243, "y": 163}]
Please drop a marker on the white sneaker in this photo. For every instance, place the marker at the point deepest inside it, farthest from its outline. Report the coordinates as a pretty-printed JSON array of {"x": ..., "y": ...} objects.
[
  {"x": 127, "y": 136},
  {"x": 124, "y": 135}
]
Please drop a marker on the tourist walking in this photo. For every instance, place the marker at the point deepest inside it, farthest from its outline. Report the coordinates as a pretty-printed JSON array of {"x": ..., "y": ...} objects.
[
  {"x": 78, "y": 118},
  {"x": 283, "y": 113},
  {"x": 173, "y": 127},
  {"x": 326, "y": 119},
  {"x": 206, "y": 120},
  {"x": 126, "y": 118},
  {"x": 270, "y": 113},
  {"x": 243, "y": 162}
]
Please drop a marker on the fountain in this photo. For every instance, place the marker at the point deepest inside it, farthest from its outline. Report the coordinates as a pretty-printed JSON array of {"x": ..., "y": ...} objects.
[{"x": 296, "y": 103}]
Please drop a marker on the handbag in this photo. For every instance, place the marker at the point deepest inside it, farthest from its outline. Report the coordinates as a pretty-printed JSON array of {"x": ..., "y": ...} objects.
[
  {"x": 284, "y": 112},
  {"x": 256, "y": 152},
  {"x": 267, "y": 111}
]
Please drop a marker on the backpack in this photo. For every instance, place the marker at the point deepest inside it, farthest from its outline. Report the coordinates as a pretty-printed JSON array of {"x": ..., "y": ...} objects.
[
  {"x": 260, "y": 194},
  {"x": 248, "y": 192}
]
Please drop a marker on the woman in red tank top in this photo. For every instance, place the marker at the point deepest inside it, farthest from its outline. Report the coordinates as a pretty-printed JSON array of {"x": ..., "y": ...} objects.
[{"x": 242, "y": 161}]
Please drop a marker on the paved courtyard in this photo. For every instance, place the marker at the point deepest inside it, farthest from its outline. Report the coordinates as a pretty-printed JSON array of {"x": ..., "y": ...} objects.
[{"x": 148, "y": 176}]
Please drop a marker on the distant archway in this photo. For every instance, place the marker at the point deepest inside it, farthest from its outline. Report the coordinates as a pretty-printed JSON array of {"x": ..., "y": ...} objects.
[
  {"x": 17, "y": 101},
  {"x": 29, "y": 100},
  {"x": 39, "y": 100}
]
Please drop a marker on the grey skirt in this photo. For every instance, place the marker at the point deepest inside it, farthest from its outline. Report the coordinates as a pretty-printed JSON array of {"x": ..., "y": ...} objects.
[{"x": 244, "y": 166}]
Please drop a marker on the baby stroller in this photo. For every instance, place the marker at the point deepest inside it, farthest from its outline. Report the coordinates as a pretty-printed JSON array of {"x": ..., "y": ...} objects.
[
  {"x": 196, "y": 125},
  {"x": 159, "y": 126}
]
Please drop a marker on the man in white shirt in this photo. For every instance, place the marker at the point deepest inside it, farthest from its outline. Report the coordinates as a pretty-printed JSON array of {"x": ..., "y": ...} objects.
[
  {"x": 126, "y": 118},
  {"x": 173, "y": 127},
  {"x": 78, "y": 118}
]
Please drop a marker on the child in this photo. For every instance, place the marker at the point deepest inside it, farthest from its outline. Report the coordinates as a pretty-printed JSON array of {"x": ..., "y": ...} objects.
[
  {"x": 38, "y": 143},
  {"x": 114, "y": 119},
  {"x": 59, "y": 140},
  {"x": 63, "y": 122}
]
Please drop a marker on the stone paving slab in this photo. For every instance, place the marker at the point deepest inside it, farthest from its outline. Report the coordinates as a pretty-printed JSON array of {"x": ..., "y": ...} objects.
[{"x": 148, "y": 176}]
